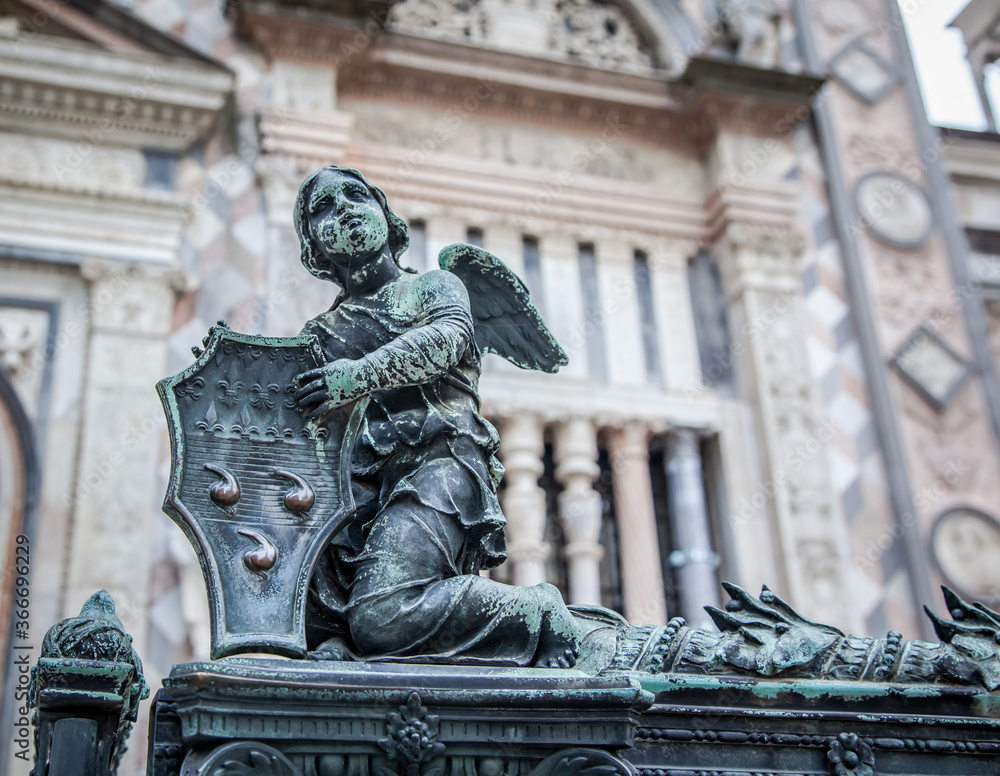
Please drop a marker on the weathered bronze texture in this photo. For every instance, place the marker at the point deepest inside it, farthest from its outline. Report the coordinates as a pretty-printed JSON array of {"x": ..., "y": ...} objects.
[
  {"x": 402, "y": 581},
  {"x": 257, "y": 488},
  {"x": 86, "y": 689},
  {"x": 372, "y": 416},
  {"x": 329, "y": 718}
]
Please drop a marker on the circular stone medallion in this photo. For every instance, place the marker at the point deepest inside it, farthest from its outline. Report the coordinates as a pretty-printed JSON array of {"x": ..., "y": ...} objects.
[
  {"x": 894, "y": 208},
  {"x": 966, "y": 546}
]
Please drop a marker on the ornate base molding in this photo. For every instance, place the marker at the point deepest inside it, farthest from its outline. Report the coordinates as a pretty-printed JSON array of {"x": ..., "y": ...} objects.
[{"x": 281, "y": 718}]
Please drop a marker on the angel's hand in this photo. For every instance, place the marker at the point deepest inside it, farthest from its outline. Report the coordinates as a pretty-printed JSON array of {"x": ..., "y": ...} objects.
[{"x": 324, "y": 389}]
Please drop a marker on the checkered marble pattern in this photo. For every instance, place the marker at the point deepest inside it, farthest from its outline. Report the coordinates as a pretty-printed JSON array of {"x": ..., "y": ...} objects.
[
  {"x": 225, "y": 249},
  {"x": 877, "y": 575}
]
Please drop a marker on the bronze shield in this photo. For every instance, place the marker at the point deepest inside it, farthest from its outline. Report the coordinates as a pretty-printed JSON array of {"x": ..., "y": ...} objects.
[{"x": 257, "y": 488}]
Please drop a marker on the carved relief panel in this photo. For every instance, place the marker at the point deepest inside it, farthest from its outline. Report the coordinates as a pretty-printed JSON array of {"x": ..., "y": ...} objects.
[{"x": 589, "y": 31}]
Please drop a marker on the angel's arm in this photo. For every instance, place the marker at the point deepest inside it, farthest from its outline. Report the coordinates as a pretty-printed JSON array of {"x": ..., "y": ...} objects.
[
  {"x": 431, "y": 349},
  {"x": 416, "y": 356},
  {"x": 505, "y": 320}
]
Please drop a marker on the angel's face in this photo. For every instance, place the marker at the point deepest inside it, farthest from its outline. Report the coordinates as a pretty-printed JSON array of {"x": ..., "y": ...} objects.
[{"x": 345, "y": 220}]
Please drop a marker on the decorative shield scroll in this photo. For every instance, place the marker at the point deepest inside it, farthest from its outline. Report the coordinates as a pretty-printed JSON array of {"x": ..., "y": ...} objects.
[{"x": 257, "y": 488}]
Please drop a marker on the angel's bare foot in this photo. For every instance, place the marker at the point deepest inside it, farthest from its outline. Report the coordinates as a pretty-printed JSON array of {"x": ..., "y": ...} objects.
[
  {"x": 332, "y": 649},
  {"x": 566, "y": 660},
  {"x": 559, "y": 641}
]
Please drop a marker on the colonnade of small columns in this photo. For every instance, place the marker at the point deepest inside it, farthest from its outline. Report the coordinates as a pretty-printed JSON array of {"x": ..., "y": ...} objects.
[
  {"x": 614, "y": 319},
  {"x": 575, "y": 447}
]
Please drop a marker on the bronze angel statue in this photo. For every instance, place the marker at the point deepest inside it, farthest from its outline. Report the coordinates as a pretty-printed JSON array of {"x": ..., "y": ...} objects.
[{"x": 401, "y": 580}]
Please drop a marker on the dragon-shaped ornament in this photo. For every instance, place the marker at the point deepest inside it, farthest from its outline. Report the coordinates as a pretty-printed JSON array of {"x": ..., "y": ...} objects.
[{"x": 763, "y": 637}]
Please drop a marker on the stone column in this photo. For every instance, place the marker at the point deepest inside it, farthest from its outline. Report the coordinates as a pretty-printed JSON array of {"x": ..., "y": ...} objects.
[
  {"x": 118, "y": 484},
  {"x": 523, "y": 500},
  {"x": 759, "y": 267},
  {"x": 642, "y": 573},
  {"x": 580, "y": 508},
  {"x": 693, "y": 556}
]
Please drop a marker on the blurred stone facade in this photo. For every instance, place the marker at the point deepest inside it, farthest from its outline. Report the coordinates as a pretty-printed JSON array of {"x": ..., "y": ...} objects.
[{"x": 780, "y": 362}]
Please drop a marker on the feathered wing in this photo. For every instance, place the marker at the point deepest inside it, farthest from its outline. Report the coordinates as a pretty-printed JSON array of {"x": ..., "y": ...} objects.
[{"x": 507, "y": 323}]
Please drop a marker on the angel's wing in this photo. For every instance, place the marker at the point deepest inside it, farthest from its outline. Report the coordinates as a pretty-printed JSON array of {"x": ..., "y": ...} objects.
[{"x": 507, "y": 323}]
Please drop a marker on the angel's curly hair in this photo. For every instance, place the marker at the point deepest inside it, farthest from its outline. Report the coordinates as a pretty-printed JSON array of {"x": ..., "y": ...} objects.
[{"x": 399, "y": 235}]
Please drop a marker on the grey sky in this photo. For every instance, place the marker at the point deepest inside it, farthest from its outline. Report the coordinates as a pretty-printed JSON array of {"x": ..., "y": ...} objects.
[{"x": 939, "y": 55}]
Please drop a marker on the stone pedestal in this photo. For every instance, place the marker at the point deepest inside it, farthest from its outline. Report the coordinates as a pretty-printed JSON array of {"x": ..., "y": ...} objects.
[
  {"x": 295, "y": 718},
  {"x": 300, "y": 718}
]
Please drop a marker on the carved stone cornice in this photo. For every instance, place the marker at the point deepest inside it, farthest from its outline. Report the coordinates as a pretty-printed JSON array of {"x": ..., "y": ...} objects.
[
  {"x": 765, "y": 204},
  {"x": 307, "y": 36},
  {"x": 318, "y": 138},
  {"x": 533, "y": 199},
  {"x": 67, "y": 89},
  {"x": 129, "y": 224},
  {"x": 133, "y": 298},
  {"x": 97, "y": 271},
  {"x": 687, "y": 116},
  {"x": 558, "y": 103},
  {"x": 373, "y": 63}
]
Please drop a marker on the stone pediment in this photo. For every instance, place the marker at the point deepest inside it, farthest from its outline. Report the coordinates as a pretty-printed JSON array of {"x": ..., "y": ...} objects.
[
  {"x": 85, "y": 70},
  {"x": 95, "y": 22},
  {"x": 591, "y": 32}
]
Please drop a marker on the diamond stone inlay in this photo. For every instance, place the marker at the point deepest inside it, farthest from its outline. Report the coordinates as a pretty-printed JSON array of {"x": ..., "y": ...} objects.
[
  {"x": 930, "y": 366},
  {"x": 864, "y": 72}
]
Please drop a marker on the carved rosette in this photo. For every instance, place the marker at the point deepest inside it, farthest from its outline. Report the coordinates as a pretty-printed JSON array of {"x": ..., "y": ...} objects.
[
  {"x": 848, "y": 755},
  {"x": 583, "y": 762}
]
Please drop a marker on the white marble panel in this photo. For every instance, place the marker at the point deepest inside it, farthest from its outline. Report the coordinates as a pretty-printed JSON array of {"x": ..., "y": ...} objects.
[
  {"x": 674, "y": 319},
  {"x": 564, "y": 299},
  {"x": 441, "y": 231},
  {"x": 620, "y": 314}
]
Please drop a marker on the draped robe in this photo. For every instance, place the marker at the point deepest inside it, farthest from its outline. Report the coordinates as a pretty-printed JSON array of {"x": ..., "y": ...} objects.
[{"x": 401, "y": 581}]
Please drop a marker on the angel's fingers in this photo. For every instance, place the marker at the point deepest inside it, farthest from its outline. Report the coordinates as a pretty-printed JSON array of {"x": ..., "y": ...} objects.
[
  {"x": 310, "y": 375},
  {"x": 313, "y": 399},
  {"x": 308, "y": 388}
]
